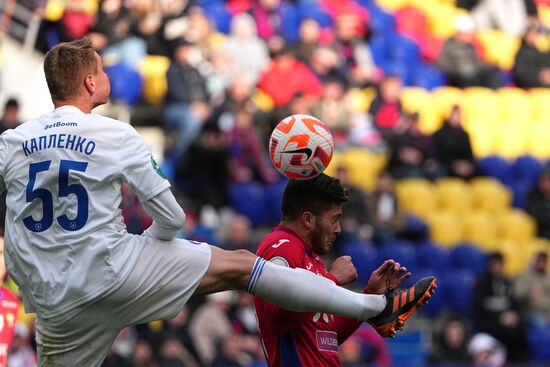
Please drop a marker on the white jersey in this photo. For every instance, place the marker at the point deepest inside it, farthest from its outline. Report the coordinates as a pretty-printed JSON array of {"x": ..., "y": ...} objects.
[{"x": 65, "y": 239}]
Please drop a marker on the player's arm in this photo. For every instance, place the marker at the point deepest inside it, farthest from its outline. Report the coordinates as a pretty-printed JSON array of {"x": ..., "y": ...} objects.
[{"x": 168, "y": 216}]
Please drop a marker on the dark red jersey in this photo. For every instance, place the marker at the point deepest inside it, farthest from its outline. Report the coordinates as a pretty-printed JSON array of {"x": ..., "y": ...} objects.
[
  {"x": 294, "y": 339},
  {"x": 9, "y": 305}
]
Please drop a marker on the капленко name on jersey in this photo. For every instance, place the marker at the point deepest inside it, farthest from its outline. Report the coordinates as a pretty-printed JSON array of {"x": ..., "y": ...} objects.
[{"x": 65, "y": 141}]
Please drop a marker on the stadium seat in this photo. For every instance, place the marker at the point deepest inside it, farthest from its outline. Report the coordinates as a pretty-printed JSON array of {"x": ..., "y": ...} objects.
[
  {"x": 381, "y": 22},
  {"x": 410, "y": 22},
  {"x": 401, "y": 251},
  {"x": 482, "y": 139},
  {"x": 539, "y": 136},
  {"x": 539, "y": 101},
  {"x": 496, "y": 167},
  {"x": 364, "y": 166},
  {"x": 511, "y": 140},
  {"x": 392, "y": 5},
  {"x": 430, "y": 47},
  {"x": 499, "y": 47},
  {"x": 490, "y": 195},
  {"x": 408, "y": 349},
  {"x": 515, "y": 257},
  {"x": 441, "y": 19},
  {"x": 457, "y": 288},
  {"x": 416, "y": 196},
  {"x": 126, "y": 83},
  {"x": 468, "y": 257},
  {"x": 432, "y": 256},
  {"x": 515, "y": 105},
  {"x": 453, "y": 194},
  {"x": 445, "y": 228},
  {"x": 247, "y": 198},
  {"x": 480, "y": 228},
  {"x": 153, "y": 71},
  {"x": 480, "y": 105},
  {"x": 444, "y": 98},
  {"x": 515, "y": 225},
  {"x": 526, "y": 168},
  {"x": 415, "y": 99},
  {"x": 427, "y": 76},
  {"x": 273, "y": 194},
  {"x": 539, "y": 338}
]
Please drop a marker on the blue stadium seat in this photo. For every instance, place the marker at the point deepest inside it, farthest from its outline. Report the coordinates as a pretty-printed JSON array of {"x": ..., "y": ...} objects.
[
  {"x": 467, "y": 257},
  {"x": 539, "y": 339},
  {"x": 405, "y": 50},
  {"x": 496, "y": 167},
  {"x": 520, "y": 190},
  {"x": 273, "y": 195},
  {"x": 401, "y": 251},
  {"x": 126, "y": 83},
  {"x": 526, "y": 168},
  {"x": 456, "y": 287},
  {"x": 431, "y": 256},
  {"x": 248, "y": 199},
  {"x": 379, "y": 50},
  {"x": 219, "y": 15},
  {"x": 408, "y": 349},
  {"x": 428, "y": 77},
  {"x": 381, "y": 22},
  {"x": 290, "y": 26},
  {"x": 312, "y": 9}
]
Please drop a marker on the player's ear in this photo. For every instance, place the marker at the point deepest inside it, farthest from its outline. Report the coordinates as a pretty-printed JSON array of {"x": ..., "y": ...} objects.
[
  {"x": 89, "y": 84},
  {"x": 308, "y": 220}
]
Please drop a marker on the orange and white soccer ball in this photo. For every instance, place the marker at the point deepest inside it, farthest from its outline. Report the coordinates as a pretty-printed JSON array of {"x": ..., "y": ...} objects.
[{"x": 301, "y": 147}]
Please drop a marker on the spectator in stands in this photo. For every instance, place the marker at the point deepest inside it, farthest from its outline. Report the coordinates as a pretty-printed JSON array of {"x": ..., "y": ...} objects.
[
  {"x": 365, "y": 346},
  {"x": 386, "y": 107},
  {"x": 187, "y": 98},
  {"x": 309, "y": 40},
  {"x": 384, "y": 213},
  {"x": 532, "y": 66},
  {"x": 286, "y": 76},
  {"x": 21, "y": 353},
  {"x": 453, "y": 147},
  {"x": 172, "y": 353},
  {"x": 203, "y": 175},
  {"x": 10, "y": 116},
  {"x": 143, "y": 355},
  {"x": 232, "y": 352},
  {"x": 325, "y": 63},
  {"x": 538, "y": 203},
  {"x": 78, "y": 18},
  {"x": 461, "y": 63},
  {"x": 495, "y": 310},
  {"x": 246, "y": 51},
  {"x": 239, "y": 234},
  {"x": 114, "y": 34},
  {"x": 333, "y": 111},
  {"x": 532, "y": 290},
  {"x": 210, "y": 325},
  {"x": 355, "y": 217},
  {"x": 487, "y": 351},
  {"x": 149, "y": 15},
  {"x": 510, "y": 16},
  {"x": 451, "y": 342},
  {"x": 270, "y": 19},
  {"x": 356, "y": 59},
  {"x": 201, "y": 31},
  {"x": 413, "y": 152}
]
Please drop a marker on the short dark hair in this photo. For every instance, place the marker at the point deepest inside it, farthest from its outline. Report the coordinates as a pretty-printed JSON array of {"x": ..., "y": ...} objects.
[
  {"x": 315, "y": 195},
  {"x": 66, "y": 64},
  {"x": 12, "y": 103}
]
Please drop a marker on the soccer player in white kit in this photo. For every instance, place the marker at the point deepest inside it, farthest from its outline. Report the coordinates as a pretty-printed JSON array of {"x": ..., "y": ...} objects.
[{"x": 66, "y": 245}]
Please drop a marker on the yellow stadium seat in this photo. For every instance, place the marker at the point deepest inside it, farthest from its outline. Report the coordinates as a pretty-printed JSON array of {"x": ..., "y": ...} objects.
[
  {"x": 544, "y": 14},
  {"x": 538, "y": 141},
  {"x": 453, "y": 194},
  {"x": 416, "y": 196},
  {"x": 392, "y": 5},
  {"x": 445, "y": 228},
  {"x": 263, "y": 100},
  {"x": 482, "y": 138},
  {"x": 480, "y": 228},
  {"x": 480, "y": 105},
  {"x": 54, "y": 10},
  {"x": 515, "y": 104},
  {"x": 420, "y": 100},
  {"x": 153, "y": 71},
  {"x": 335, "y": 163},
  {"x": 500, "y": 48},
  {"x": 489, "y": 194},
  {"x": 540, "y": 100},
  {"x": 511, "y": 140},
  {"x": 359, "y": 100},
  {"x": 515, "y": 225},
  {"x": 364, "y": 166},
  {"x": 515, "y": 258},
  {"x": 441, "y": 19},
  {"x": 444, "y": 98}
]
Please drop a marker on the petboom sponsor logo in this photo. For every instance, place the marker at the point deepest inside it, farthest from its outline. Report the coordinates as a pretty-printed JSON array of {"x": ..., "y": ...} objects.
[{"x": 60, "y": 124}]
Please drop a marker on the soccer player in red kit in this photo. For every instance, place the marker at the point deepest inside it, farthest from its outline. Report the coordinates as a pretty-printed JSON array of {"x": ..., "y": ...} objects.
[
  {"x": 311, "y": 221},
  {"x": 9, "y": 306}
]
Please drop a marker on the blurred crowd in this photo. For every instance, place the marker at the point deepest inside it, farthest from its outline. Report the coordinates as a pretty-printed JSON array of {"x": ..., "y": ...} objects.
[{"x": 232, "y": 70}]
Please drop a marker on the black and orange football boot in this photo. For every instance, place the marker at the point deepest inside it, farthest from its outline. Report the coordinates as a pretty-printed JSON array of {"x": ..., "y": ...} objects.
[{"x": 401, "y": 304}]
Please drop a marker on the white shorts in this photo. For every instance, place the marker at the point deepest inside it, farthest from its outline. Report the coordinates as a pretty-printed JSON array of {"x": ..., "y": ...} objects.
[{"x": 164, "y": 278}]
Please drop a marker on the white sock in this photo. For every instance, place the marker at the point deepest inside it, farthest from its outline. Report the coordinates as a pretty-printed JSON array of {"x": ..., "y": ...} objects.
[{"x": 303, "y": 291}]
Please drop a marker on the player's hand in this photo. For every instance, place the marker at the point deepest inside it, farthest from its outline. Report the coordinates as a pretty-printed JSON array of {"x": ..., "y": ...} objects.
[
  {"x": 343, "y": 270},
  {"x": 389, "y": 271}
]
